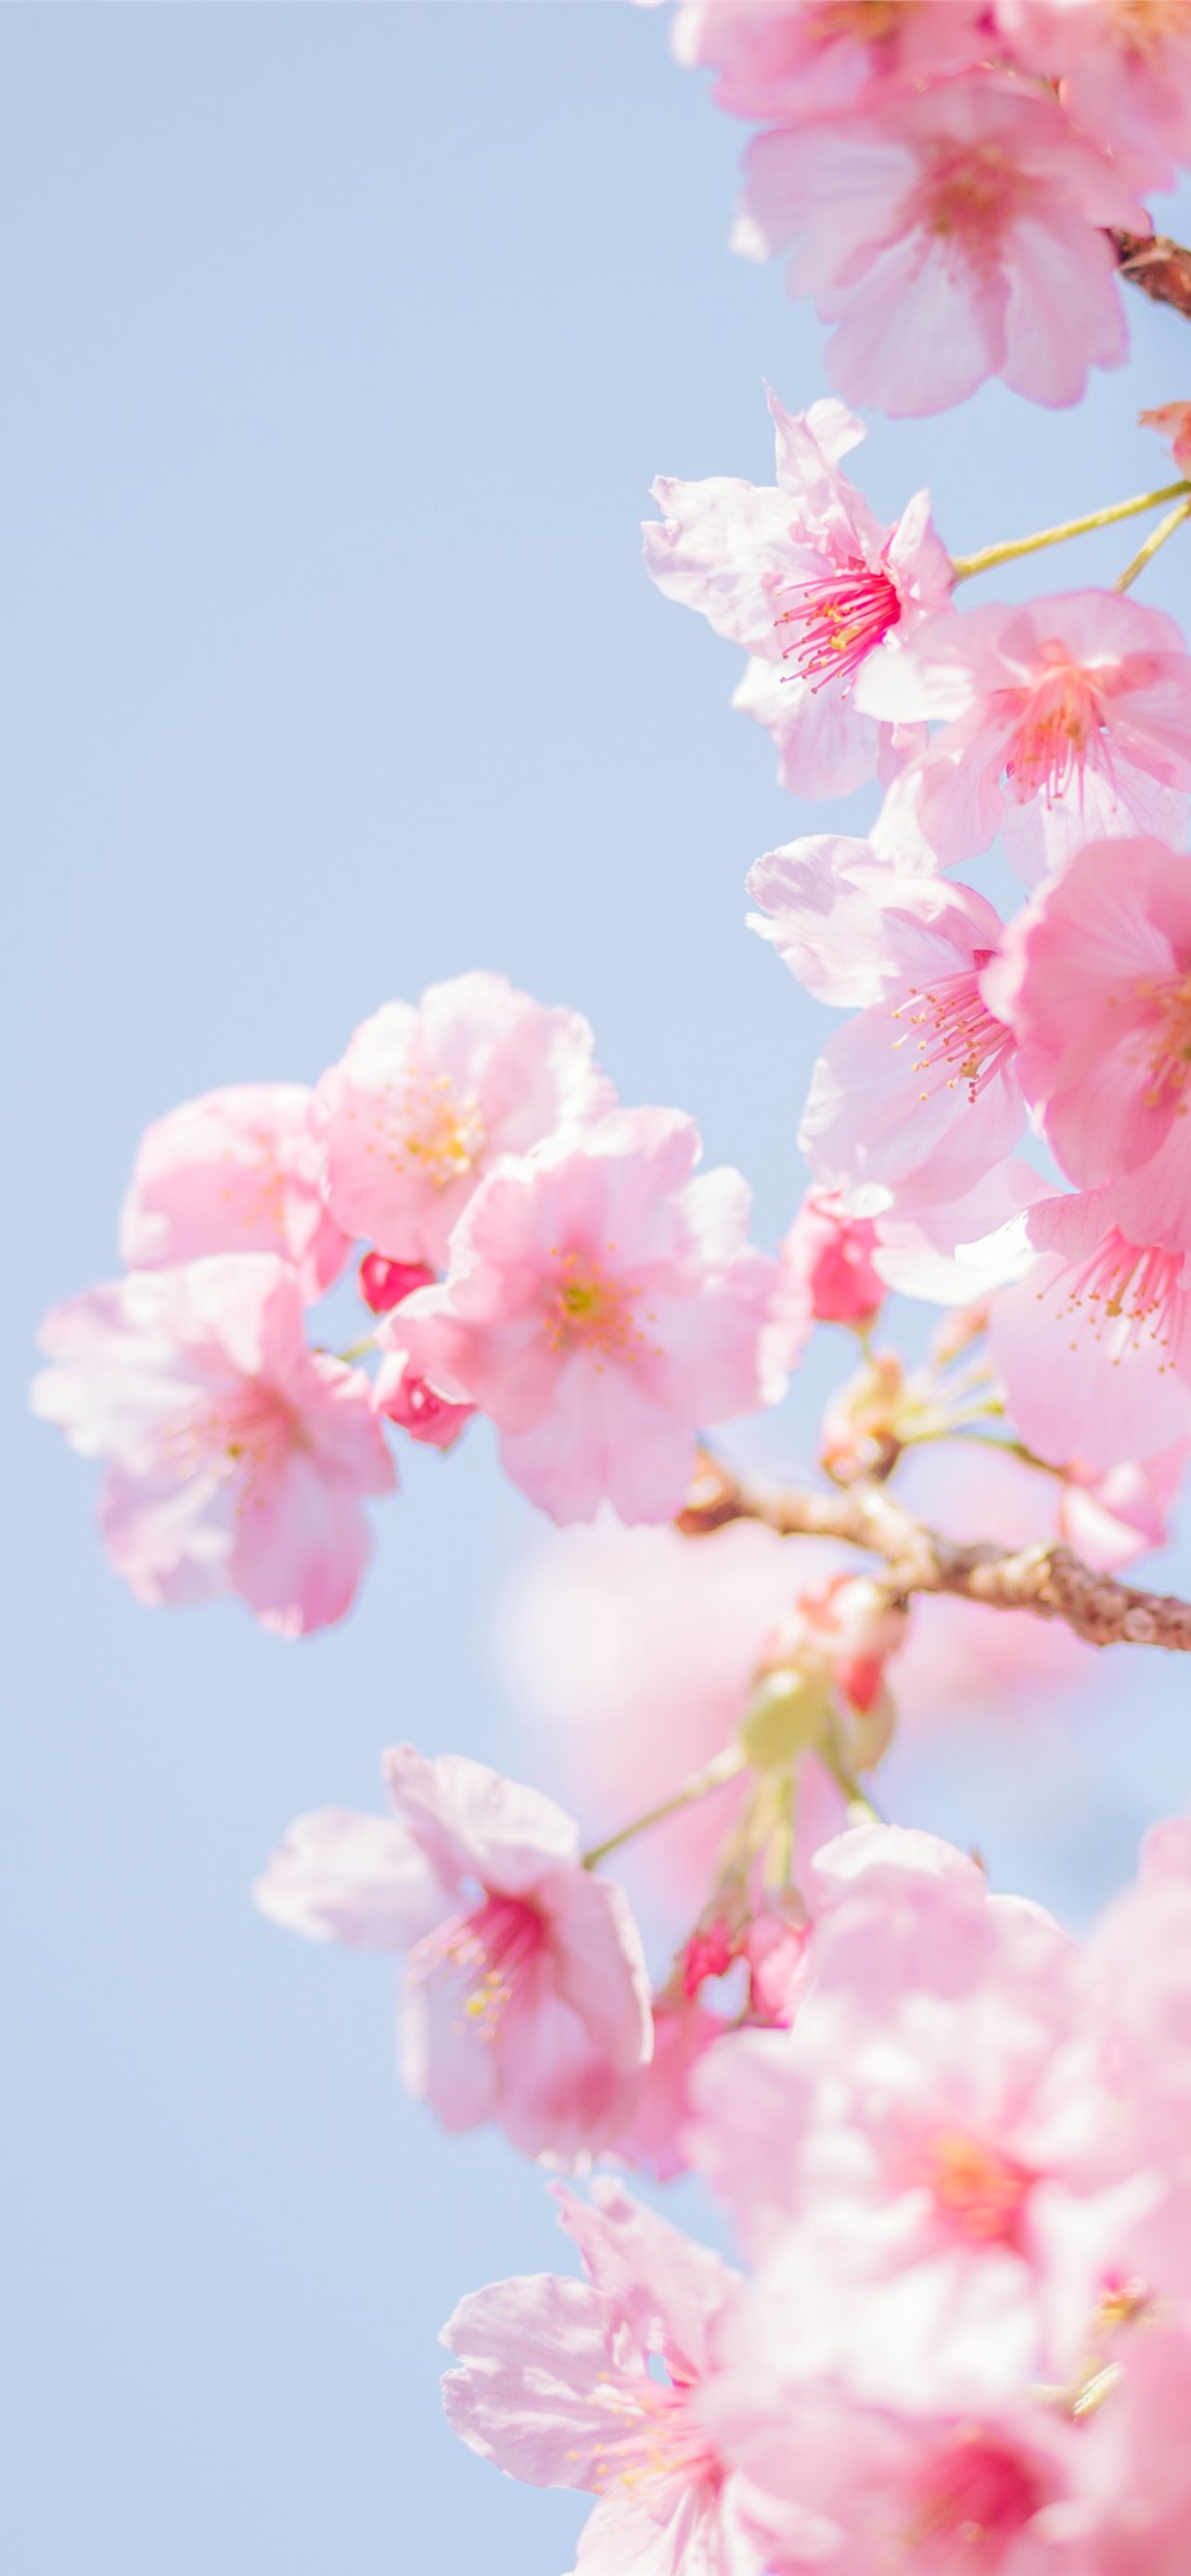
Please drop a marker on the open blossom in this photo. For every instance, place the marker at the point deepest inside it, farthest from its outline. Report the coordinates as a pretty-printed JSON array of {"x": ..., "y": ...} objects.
[
  {"x": 805, "y": 577},
  {"x": 1064, "y": 721},
  {"x": 234, "y": 1171},
  {"x": 783, "y": 60},
  {"x": 917, "y": 1097},
  {"x": 1125, "y": 73},
  {"x": 427, "y": 1099},
  {"x": 240, "y": 1458},
  {"x": 526, "y": 1994},
  {"x": 953, "y": 234},
  {"x": 599, "y": 2384},
  {"x": 601, "y": 1304},
  {"x": 1092, "y": 1346},
  {"x": 1095, "y": 981}
]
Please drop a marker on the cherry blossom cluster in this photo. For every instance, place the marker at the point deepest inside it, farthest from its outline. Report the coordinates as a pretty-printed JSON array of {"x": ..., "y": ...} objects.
[
  {"x": 945, "y": 176},
  {"x": 538, "y": 1254}
]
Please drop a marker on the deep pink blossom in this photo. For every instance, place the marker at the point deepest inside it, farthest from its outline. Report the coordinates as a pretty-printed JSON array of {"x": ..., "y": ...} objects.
[
  {"x": 783, "y": 60},
  {"x": 1093, "y": 1345},
  {"x": 555, "y": 2385},
  {"x": 952, "y": 235},
  {"x": 827, "y": 1269},
  {"x": 427, "y": 1100},
  {"x": 383, "y": 1283},
  {"x": 239, "y": 1458},
  {"x": 1095, "y": 981},
  {"x": 916, "y": 1098},
  {"x": 1125, "y": 71},
  {"x": 600, "y": 1305},
  {"x": 407, "y": 1398},
  {"x": 526, "y": 1995},
  {"x": 805, "y": 577},
  {"x": 1065, "y": 721},
  {"x": 234, "y": 1171}
]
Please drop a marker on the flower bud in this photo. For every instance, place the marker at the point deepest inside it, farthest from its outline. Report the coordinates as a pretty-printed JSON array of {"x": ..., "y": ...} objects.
[
  {"x": 384, "y": 1283},
  {"x": 788, "y": 1714},
  {"x": 828, "y": 1254}
]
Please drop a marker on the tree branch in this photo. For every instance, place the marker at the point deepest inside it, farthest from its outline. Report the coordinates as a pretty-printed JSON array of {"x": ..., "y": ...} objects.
[
  {"x": 1047, "y": 1580},
  {"x": 1161, "y": 267}
]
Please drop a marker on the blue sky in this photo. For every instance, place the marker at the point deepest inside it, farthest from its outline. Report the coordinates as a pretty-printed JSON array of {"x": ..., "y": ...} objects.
[{"x": 342, "y": 346}]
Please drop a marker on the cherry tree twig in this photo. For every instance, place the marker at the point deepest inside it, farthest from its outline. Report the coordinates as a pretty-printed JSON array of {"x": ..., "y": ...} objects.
[
  {"x": 1159, "y": 266},
  {"x": 1047, "y": 1580}
]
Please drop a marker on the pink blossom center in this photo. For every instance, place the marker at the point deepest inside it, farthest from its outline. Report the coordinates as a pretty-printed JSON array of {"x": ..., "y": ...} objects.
[
  {"x": 956, "y": 1037},
  {"x": 589, "y": 1310},
  {"x": 240, "y": 1435},
  {"x": 1132, "y": 1293},
  {"x": 1168, "y": 1053},
  {"x": 488, "y": 1954},
  {"x": 969, "y": 196},
  {"x": 1057, "y": 725},
  {"x": 841, "y": 618},
  {"x": 431, "y": 1129},
  {"x": 663, "y": 2450},
  {"x": 979, "y": 2191},
  {"x": 1147, "y": 27},
  {"x": 864, "y": 22},
  {"x": 977, "y": 2496}
]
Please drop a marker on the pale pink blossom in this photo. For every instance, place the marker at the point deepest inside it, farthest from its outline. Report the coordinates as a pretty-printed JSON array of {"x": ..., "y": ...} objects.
[
  {"x": 602, "y": 1304},
  {"x": 599, "y": 2384},
  {"x": 1173, "y": 421},
  {"x": 1125, "y": 73},
  {"x": 782, "y": 60},
  {"x": 405, "y": 1397},
  {"x": 914, "y": 1100},
  {"x": 1095, "y": 981},
  {"x": 952, "y": 235},
  {"x": 240, "y": 1458},
  {"x": 426, "y": 1101},
  {"x": 526, "y": 1995},
  {"x": 1064, "y": 721},
  {"x": 805, "y": 577},
  {"x": 1092, "y": 1346},
  {"x": 1125, "y": 1511},
  {"x": 936, "y": 2066},
  {"x": 234, "y": 1171},
  {"x": 652, "y": 2140}
]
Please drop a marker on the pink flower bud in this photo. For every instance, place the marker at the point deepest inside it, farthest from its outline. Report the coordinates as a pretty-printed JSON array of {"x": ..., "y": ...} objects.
[
  {"x": 829, "y": 1254},
  {"x": 384, "y": 1283}
]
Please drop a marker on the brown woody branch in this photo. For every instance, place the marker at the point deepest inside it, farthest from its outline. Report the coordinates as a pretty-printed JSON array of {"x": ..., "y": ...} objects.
[
  {"x": 1161, "y": 267},
  {"x": 1047, "y": 1580}
]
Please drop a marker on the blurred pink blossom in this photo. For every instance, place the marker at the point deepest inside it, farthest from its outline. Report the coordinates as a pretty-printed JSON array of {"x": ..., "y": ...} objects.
[
  {"x": 1125, "y": 73},
  {"x": 784, "y": 60},
  {"x": 240, "y": 1458},
  {"x": 234, "y": 1171}
]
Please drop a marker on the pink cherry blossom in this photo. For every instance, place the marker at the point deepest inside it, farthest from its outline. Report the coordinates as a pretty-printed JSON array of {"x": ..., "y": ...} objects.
[
  {"x": 915, "y": 1099},
  {"x": 1111, "y": 1518},
  {"x": 427, "y": 1100},
  {"x": 1093, "y": 1345},
  {"x": 234, "y": 1171},
  {"x": 952, "y": 235},
  {"x": 652, "y": 2140},
  {"x": 1125, "y": 70},
  {"x": 239, "y": 1457},
  {"x": 555, "y": 2385},
  {"x": 783, "y": 60},
  {"x": 1173, "y": 421},
  {"x": 944, "y": 2076},
  {"x": 407, "y": 1398},
  {"x": 1095, "y": 981},
  {"x": 600, "y": 1305},
  {"x": 383, "y": 1283},
  {"x": 526, "y": 1995},
  {"x": 804, "y": 576},
  {"x": 1064, "y": 722}
]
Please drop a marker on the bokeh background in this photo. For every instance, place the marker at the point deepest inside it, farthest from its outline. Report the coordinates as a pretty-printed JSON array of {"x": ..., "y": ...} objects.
[{"x": 341, "y": 346}]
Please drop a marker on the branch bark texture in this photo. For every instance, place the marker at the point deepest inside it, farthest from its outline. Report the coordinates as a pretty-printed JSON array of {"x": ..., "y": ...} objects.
[
  {"x": 1159, "y": 266},
  {"x": 1048, "y": 1580}
]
